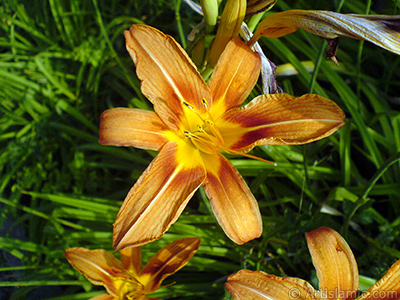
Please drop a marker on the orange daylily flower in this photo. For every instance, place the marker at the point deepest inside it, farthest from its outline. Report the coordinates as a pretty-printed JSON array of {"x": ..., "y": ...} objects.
[
  {"x": 191, "y": 124},
  {"x": 125, "y": 278},
  {"x": 336, "y": 270}
]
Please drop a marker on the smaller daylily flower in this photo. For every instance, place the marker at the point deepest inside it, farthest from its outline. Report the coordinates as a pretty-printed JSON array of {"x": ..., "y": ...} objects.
[
  {"x": 125, "y": 279},
  {"x": 336, "y": 271},
  {"x": 191, "y": 124},
  {"x": 382, "y": 30}
]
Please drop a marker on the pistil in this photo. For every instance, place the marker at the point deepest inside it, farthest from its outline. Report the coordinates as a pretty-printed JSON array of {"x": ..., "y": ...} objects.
[{"x": 207, "y": 137}]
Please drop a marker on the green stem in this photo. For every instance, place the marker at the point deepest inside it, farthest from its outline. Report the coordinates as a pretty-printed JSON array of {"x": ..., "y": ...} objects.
[
  {"x": 316, "y": 67},
  {"x": 179, "y": 23},
  {"x": 253, "y": 22}
]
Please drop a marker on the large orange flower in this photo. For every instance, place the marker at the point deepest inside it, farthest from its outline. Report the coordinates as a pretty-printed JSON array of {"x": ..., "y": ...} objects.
[
  {"x": 191, "y": 124},
  {"x": 336, "y": 271},
  {"x": 125, "y": 278}
]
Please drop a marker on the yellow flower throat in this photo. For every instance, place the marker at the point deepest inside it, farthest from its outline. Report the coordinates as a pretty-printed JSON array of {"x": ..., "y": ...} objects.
[
  {"x": 207, "y": 137},
  {"x": 129, "y": 288}
]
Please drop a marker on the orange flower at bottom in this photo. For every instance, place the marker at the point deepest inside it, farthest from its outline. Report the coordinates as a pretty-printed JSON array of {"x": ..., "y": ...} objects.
[
  {"x": 125, "y": 279},
  {"x": 336, "y": 270}
]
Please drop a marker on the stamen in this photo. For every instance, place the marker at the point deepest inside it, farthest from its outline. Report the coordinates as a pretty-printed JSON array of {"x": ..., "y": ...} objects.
[
  {"x": 209, "y": 123},
  {"x": 203, "y": 141},
  {"x": 188, "y": 134},
  {"x": 212, "y": 141},
  {"x": 205, "y": 103},
  {"x": 193, "y": 110}
]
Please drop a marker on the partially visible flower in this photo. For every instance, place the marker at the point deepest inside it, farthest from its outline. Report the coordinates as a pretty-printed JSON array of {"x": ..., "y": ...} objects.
[
  {"x": 336, "y": 271},
  {"x": 229, "y": 27},
  {"x": 258, "y": 6},
  {"x": 191, "y": 124},
  {"x": 381, "y": 30},
  {"x": 125, "y": 279}
]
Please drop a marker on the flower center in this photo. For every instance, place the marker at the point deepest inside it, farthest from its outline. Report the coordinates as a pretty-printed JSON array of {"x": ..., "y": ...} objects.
[
  {"x": 207, "y": 137},
  {"x": 129, "y": 288}
]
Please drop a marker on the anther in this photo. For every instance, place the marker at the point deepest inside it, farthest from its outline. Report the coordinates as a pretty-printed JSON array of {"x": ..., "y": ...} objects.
[
  {"x": 205, "y": 103},
  {"x": 187, "y": 134},
  {"x": 188, "y": 105},
  {"x": 193, "y": 110}
]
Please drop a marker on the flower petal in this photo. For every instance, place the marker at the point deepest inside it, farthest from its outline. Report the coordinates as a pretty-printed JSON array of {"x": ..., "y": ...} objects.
[
  {"x": 159, "y": 196},
  {"x": 257, "y": 285},
  {"x": 234, "y": 77},
  {"x": 131, "y": 259},
  {"x": 169, "y": 260},
  {"x": 381, "y": 30},
  {"x": 279, "y": 119},
  {"x": 387, "y": 287},
  {"x": 335, "y": 263},
  {"x": 98, "y": 266},
  {"x": 167, "y": 73},
  {"x": 104, "y": 297},
  {"x": 231, "y": 200},
  {"x": 132, "y": 127}
]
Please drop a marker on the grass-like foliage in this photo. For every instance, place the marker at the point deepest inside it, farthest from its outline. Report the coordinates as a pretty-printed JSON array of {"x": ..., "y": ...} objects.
[{"x": 62, "y": 63}]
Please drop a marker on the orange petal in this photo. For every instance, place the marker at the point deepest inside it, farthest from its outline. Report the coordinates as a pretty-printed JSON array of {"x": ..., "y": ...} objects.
[
  {"x": 168, "y": 261},
  {"x": 231, "y": 200},
  {"x": 168, "y": 75},
  {"x": 158, "y": 197},
  {"x": 257, "y": 285},
  {"x": 381, "y": 30},
  {"x": 387, "y": 287},
  {"x": 234, "y": 77},
  {"x": 132, "y": 127},
  {"x": 131, "y": 259},
  {"x": 335, "y": 263},
  {"x": 98, "y": 266},
  {"x": 279, "y": 119},
  {"x": 104, "y": 297}
]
